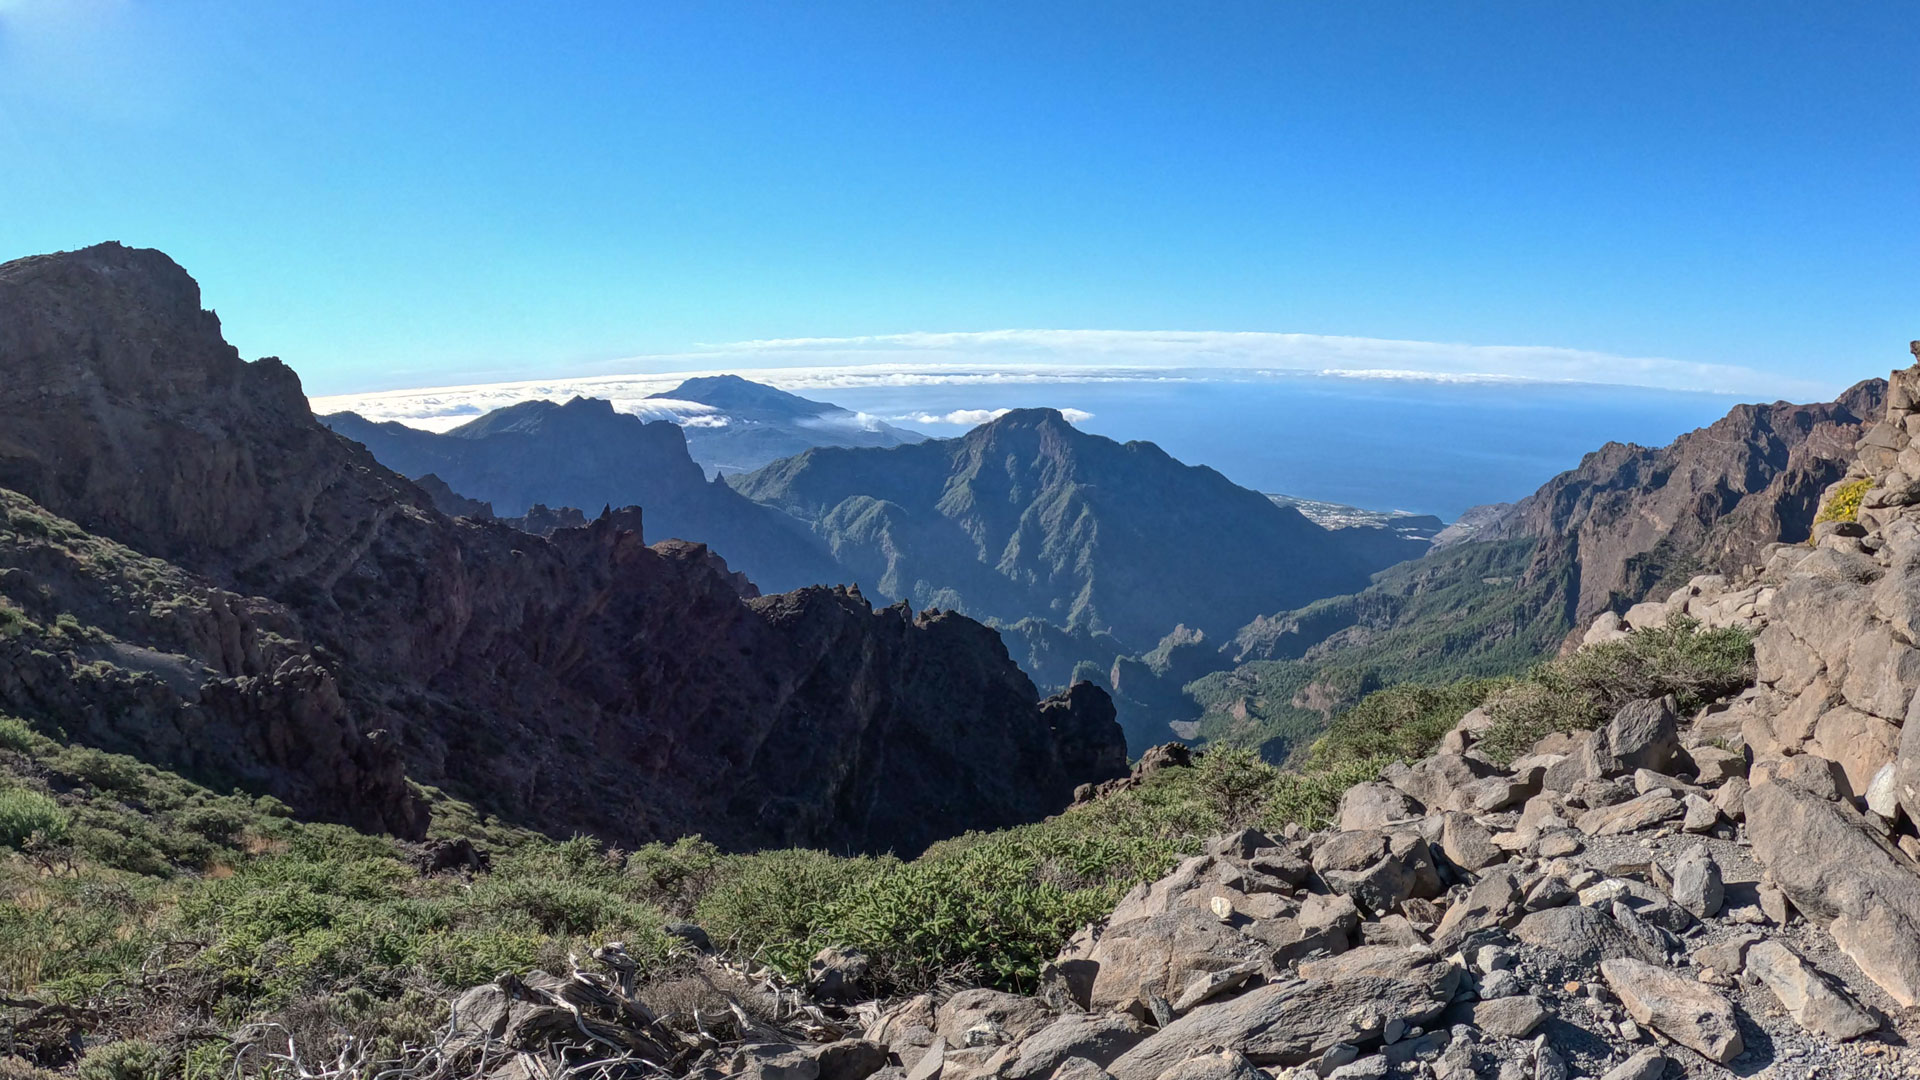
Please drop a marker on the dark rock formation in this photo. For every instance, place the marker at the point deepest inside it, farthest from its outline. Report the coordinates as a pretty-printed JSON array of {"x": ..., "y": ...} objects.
[{"x": 345, "y": 627}]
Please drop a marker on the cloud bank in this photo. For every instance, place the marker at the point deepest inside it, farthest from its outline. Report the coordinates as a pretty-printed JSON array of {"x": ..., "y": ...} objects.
[{"x": 991, "y": 358}]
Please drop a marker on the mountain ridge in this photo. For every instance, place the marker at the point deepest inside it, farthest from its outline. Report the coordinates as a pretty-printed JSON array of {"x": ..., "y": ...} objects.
[{"x": 1026, "y": 516}]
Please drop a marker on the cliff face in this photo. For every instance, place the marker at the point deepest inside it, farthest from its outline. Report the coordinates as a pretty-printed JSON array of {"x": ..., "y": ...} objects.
[
  {"x": 586, "y": 681},
  {"x": 1631, "y": 520},
  {"x": 1028, "y": 517}
]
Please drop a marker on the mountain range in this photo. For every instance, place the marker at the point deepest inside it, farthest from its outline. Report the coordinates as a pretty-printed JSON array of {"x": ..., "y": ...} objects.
[{"x": 199, "y": 573}]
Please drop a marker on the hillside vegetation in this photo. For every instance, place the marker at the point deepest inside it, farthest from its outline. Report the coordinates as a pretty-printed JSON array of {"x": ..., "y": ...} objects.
[{"x": 183, "y": 930}]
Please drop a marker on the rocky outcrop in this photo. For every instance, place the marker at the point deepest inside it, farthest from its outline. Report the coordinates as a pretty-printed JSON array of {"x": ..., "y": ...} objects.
[{"x": 584, "y": 682}]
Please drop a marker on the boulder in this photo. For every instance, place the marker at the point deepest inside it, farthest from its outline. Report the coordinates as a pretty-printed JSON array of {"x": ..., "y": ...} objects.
[
  {"x": 1637, "y": 813},
  {"x": 1713, "y": 766},
  {"x": 1841, "y": 874},
  {"x": 1814, "y": 1005},
  {"x": 1509, "y": 1017},
  {"x": 1580, "y": 934},
  {"x": 1697, "y": 883},
  {"x": 1004, "y": 1018},
  {"x": 1436, "y": 781},
  {"x": 1646, "y": 735},
  {"x": 1094, "y": 1037},
  {"x": 1648, "y": 1064},
  {"x": 1223, "y": 1065},
  {"x": 1160, "y": 956},
  {"x": 1680, "y": 1008},
  {"x": 1324, "y": 926},
  {"x": 1374, "y": 804},
  {"x": 1493, "y": 901},
  {"x": 1468, "y": 844},
  {"x": 1285, "y": 1023}
]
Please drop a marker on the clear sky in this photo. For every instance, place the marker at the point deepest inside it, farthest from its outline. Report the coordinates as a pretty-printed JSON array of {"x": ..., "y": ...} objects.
[{"x": 399, "y": 194}]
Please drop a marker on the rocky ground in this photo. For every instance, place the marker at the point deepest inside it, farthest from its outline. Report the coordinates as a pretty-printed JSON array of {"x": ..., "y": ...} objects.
[{"x": 1614, "y": 905}]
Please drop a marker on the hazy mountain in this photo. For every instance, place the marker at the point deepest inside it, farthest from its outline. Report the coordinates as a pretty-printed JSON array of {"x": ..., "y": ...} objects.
[
  {"x": 585, "y": 454},
  {"x": 1027, "y": 516},
  {"x": 755, "y": 424}
]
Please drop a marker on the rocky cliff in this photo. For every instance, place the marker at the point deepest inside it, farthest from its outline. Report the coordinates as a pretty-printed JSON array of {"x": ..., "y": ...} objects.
[{"x": 586, "y": 681}]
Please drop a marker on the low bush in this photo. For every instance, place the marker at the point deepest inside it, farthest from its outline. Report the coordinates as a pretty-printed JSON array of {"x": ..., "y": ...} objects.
[{"x": 29, "y": 820}]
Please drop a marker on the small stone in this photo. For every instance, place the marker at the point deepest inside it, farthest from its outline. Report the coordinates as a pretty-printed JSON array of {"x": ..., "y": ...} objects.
[
  {"x": 1773, "y": 904},
  {"x": 1701, "y": 816},
  {"x": 1222, "y": 908},
  {"x": 1559, "y": 844},
  {"x": 1499, "y": 984},
  {"x": 1548, "y": 1062},
  {"x": 1394, "y": 1029},
  {"x": 1492, "y": 958},
  {"x": 1648, "y": 1064}
]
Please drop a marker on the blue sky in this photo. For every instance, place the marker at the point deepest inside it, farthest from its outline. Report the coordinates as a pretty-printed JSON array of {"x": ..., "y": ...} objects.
[{"x": 392, "y": 195}]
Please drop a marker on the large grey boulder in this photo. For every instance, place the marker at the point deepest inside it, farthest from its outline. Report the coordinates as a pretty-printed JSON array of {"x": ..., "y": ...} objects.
[
  {"x": 1581, "y": 934},
  {"x": 1840, "y": 874},
  {"x": 1223, "y": 1065},
  {"x": 1096, "y": 1037},
  {"x": 1697, "y": 883},
  {"x": 1646, "y": 735},
  {"x": 1160, "y": 955},
  {"x": 1288, "y": 1022},
  {"x": 1438, "y": 782},
  {"x": 1375, "y": 804},
  {"x": 980, "y": 1016},
  {"x": 1680, "y": 1008},
  {"x": 1814, "y": 1004},
  {"x": 1641, "y": 812}
]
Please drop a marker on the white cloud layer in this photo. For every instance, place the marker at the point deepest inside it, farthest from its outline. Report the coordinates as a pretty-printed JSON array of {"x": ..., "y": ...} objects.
[{"x": 1003, "y": 357}]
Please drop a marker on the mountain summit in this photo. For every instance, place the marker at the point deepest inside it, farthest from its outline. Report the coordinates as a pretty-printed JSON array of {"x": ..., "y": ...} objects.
[
  {"x": 756, "y": 424},
  {"x": 1029, "y": 516}
]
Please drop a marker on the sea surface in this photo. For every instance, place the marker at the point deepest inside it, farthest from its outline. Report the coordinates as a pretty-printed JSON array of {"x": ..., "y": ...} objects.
[{"x": 1385, "y": 444}]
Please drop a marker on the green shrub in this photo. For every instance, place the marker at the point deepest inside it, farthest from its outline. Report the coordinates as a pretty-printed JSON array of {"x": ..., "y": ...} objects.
[
  {"x": 1581, "y": 691},
  {"x": 772, "y": 899},
  {"x": 132, "y": 1059},
  {"x": 1400, "y": 723},
  {"x": 30, "y": 819},
  {"x": 1236, "y": 781}
]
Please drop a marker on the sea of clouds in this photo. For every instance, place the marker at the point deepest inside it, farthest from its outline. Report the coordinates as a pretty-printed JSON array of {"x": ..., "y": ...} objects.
[{"x": 817, "y": 366}]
